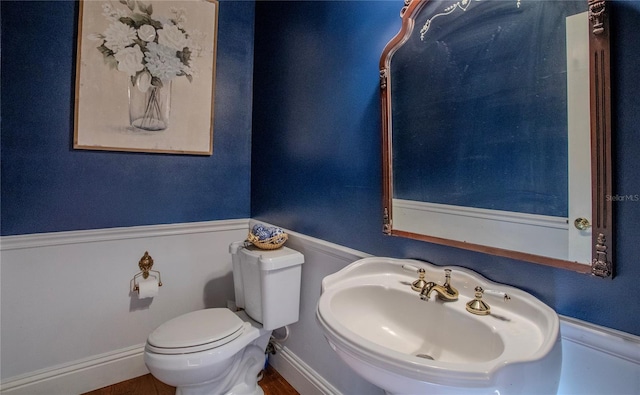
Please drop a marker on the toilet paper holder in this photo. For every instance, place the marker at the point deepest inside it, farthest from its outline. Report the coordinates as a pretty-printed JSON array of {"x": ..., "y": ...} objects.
[{"x": 145, "y": 264}]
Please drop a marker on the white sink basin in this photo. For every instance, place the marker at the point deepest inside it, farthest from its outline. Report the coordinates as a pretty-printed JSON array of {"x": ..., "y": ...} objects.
[
  {"x": 380, "y": 321},
  {"x": 382, "y": 329}
]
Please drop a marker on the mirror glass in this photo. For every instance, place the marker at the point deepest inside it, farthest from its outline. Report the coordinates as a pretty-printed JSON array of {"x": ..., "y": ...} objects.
[{"x": 487, "y": 131}]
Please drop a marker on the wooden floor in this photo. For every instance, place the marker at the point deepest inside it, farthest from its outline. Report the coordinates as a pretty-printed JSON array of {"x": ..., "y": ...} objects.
[{"x": 272, "y": 384}]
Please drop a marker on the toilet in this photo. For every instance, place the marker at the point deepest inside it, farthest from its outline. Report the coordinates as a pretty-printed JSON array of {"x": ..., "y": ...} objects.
[{"x": 218, "y": 351}]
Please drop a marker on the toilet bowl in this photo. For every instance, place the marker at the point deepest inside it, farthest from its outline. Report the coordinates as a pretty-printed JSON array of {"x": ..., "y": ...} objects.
[
  {"x": 196, "y": 362},
  {"x": 220, "y": 352}
]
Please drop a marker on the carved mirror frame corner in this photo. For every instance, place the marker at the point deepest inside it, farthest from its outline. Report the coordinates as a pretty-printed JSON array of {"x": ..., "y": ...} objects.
[{"x": 601, "y": 147}]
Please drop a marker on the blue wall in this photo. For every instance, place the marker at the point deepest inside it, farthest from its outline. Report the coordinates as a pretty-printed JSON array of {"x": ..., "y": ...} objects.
[
  {"x": 316, "y": 163},
  {"x": 47, "y": 186}
]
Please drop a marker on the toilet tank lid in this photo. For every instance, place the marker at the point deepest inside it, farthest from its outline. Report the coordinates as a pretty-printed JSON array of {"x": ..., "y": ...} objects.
[
  {"x": 196, "y": 328},
  {"x": 275, "y": 259}
]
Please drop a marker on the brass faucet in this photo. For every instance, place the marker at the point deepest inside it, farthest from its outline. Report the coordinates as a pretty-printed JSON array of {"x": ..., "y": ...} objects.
[{"x": 445, "y": 292}]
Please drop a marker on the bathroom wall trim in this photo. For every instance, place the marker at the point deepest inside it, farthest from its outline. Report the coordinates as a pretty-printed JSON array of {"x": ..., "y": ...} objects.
[
  {"x": 81, "y": 376},
  {"x": 346, "y": 254},
  {"x": 601, "y": 339},
  {"x": 299, "y": 374},
  {"x": 113, "y": 234},
  {"x": 106, "y": 369}
]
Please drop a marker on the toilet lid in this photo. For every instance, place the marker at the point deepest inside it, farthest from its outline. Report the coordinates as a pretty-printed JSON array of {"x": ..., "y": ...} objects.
[{"x": 209, "y": 327}]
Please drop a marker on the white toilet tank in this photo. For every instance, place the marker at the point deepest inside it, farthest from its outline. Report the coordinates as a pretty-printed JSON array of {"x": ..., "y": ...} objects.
[{"x": 267, "y": 283}]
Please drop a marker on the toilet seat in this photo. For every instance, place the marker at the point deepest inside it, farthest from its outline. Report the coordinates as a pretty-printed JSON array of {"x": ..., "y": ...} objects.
[{"x": 196, "y": 331}]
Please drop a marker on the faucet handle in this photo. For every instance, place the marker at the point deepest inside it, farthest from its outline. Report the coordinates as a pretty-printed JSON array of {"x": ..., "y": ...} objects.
[
  {"x": 420, "y": 282},
  {"x": 447, "y": 277},
  {"x": 411, "y": 268},
  {"x": 503, "y": 295},
  {"x": 478, "y": 306}
]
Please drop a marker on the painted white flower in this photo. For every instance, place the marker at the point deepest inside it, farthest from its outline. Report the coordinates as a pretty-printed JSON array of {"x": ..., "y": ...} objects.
[
  {"x": 162, "y": 62},
  {"x": 163, "y": 20},
  {"x": 107, "y": 11},
  {"x": 180, "y": 16},
  {"x": 146, "y": 48},
  {"x": 122, "y": 13},
  {"x": 130, "y": 60},
  {"x": 147, "y": 33},
  {"x": 118, "y": 36},
  {"x": 195, "y": 43},
  {"x": 113, "y": 14},
  {"x": 170, "y": 36}
]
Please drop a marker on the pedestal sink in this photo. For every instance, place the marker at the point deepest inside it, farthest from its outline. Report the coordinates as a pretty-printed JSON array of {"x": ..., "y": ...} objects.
[{"x": 382, "y": 329}]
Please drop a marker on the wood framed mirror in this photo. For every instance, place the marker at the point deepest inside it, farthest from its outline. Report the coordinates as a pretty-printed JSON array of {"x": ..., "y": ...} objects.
[{"x": 496, "y": 129}]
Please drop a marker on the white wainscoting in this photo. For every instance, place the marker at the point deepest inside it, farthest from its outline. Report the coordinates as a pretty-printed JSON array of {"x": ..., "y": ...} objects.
[
  {"x": 598, "y": 360},
  {"x": 69, "y": 322}
]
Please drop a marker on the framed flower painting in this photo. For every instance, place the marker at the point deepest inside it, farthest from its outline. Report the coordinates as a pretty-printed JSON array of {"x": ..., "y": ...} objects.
[{"x": 145, "y": 76}]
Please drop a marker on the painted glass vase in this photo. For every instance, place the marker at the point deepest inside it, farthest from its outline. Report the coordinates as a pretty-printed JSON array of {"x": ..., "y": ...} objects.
[{"x": 149, "y": 106}]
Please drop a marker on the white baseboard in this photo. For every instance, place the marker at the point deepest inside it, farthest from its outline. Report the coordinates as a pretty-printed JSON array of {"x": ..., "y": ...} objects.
[
  {"x": 301, "y": 376},
  {"x": 81, "y": 376},
  {"x": 114, "y": 367}
]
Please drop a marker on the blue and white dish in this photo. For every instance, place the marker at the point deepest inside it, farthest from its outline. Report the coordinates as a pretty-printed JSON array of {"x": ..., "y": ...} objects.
[{"x": 264, "y": 233}]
